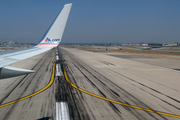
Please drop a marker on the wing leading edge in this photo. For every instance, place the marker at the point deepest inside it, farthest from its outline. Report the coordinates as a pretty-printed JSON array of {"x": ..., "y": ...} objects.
[{"x": 51, "y": 39}]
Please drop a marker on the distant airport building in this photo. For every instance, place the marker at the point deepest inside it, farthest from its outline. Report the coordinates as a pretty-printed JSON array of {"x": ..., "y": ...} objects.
[
  {"x": 129, "y": 44},
  {"x": 7, "y": 43},
  {"x": 170, "y": 44},
  {"x": 155, "y": 44},
  {"x": 144, "y": 45},
  {"x": 152, "y": 44}
]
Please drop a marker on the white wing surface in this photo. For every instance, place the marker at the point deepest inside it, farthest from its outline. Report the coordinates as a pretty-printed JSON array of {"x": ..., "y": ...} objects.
[{"x": 50, "y": 40}]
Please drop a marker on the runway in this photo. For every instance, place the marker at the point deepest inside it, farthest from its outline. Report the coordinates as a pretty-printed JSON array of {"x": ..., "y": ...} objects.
[
  {"x": 39, "y": 106},
  {"x": 120, "y": 80}
]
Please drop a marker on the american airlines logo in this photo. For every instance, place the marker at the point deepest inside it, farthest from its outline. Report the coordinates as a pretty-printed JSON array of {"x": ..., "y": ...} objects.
[{"x": 52, "y": 40}]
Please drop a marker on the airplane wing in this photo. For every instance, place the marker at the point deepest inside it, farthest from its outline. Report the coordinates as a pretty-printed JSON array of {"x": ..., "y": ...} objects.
[{"x": 50, "y": 40}]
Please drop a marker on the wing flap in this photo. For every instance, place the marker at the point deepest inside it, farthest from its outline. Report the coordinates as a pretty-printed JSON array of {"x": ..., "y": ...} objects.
[{"x": 9, "y": 71}]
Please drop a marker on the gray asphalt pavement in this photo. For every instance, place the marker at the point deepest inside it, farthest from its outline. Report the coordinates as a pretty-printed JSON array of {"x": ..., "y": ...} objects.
[
  {"x": 113, "y": 88},
  {"x": 124, "y": 81}
]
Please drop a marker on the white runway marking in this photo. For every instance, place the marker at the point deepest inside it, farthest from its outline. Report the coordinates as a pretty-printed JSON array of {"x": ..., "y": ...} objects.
[
  {"x": 58, "y": 70},
  {"x": 62, "y": 111}
]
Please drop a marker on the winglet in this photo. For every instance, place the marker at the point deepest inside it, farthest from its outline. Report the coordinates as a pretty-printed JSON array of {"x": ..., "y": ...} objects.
[{"x": 54, "y": 34}]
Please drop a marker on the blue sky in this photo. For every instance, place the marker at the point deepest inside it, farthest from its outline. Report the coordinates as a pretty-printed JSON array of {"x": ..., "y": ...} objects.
[{"x": 93, "y": 21}]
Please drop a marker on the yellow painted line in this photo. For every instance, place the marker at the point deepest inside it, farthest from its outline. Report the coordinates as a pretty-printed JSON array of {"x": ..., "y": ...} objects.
[
  {"x": 132, "y": 106},
  {"x": 31, "y": 95}
]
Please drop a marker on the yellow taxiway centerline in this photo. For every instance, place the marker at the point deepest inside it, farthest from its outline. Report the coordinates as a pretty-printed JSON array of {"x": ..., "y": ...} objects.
[
  {"x": 31, "y": 95},
  {"x": 132, "y": 106}
]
